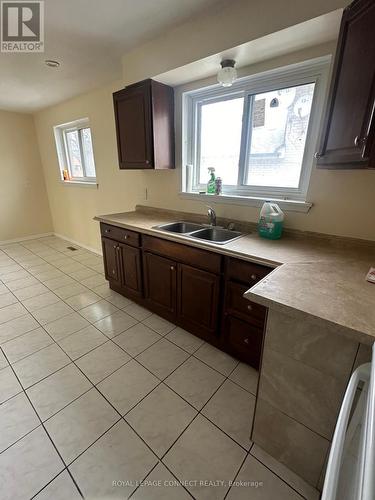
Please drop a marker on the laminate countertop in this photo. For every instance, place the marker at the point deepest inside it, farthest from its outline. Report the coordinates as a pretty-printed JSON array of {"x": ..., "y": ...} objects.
[{"x": 321, "y": 278}]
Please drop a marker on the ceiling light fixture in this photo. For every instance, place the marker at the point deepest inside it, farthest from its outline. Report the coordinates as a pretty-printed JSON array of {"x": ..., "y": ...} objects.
[
  {"x": 51, "y": 63},
  {"x": 227, "y": 74}
]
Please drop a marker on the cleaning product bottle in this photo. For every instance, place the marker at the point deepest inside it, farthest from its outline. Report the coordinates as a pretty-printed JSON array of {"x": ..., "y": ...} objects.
[
  {"x": 211, "y": 184},
  {"x": 271, "y": 221}
]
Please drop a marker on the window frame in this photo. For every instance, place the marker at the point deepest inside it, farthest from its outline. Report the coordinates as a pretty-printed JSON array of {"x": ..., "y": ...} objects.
[
  {"x": 63, "y": 152},
  {"x": 314, "y": 71}
]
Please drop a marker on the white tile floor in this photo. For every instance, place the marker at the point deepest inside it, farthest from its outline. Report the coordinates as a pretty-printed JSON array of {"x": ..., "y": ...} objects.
[{"x": 100, "y": 398}]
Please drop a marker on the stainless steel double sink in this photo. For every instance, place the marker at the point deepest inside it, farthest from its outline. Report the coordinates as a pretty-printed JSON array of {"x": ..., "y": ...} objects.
[{"x": 213, "y": 234}]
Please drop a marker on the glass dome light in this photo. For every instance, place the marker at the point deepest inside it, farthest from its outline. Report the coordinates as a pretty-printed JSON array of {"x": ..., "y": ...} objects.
[{"x": 227, "y": 74}]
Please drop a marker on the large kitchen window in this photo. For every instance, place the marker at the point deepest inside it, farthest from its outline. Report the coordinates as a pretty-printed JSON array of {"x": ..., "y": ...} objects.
[
  {"x": 75, "y": 151},
  {"x": 259, "y": 135}
]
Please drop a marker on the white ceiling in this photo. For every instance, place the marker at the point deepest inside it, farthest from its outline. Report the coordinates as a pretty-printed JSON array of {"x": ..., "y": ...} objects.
[{"x": 88, "y": 38}]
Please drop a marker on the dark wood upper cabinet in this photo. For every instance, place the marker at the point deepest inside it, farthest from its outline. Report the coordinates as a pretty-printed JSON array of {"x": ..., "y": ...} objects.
[
  {"x": 348, "y": 131},
  {"x": 144, "y": 116}
]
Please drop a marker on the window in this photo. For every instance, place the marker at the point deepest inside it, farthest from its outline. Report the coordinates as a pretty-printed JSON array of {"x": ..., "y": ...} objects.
[
  {"x": 259, "y": 135},
  {"x": 75, "y": 152}
]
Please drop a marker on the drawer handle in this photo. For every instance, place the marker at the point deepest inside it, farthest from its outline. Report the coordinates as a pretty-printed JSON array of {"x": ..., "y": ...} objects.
[
  {"x": 247, "y": 341},
  {"x": 113, "y": 271},
  {"x": 249, "y": 307},
  {"x": 126, "y": 236},
  {"x": 172, "y": 268},
  {"x": 254, "y": 277},
  {"x": 107, "y": 230}
]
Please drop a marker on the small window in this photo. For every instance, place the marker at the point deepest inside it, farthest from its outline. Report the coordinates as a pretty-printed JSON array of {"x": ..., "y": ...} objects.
[
  {"x": 259, "y": 135},
  {"x": 75, "y": 151}
]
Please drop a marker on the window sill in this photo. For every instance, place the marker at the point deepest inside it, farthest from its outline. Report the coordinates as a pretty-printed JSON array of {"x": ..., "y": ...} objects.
[
  {"x": 80, "y": 184},
  {"x": 287, "y": 205}
]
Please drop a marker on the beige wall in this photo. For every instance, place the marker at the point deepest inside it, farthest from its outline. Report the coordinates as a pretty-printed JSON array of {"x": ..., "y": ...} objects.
[
  {"x": 72, "y": 206},
  {"x": 24, "y": 209}
]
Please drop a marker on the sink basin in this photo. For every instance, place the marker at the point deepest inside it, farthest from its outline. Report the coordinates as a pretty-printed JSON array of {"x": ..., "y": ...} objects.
[
  {"x": 216, "y": 235},
  {"x": 180, "y": 227}
]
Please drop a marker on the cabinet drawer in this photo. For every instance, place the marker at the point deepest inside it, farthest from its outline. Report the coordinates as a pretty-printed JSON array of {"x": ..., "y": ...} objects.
[
  {"x": 246, "y": 272},
  {"x": 243, "y": 340},
  {"x": 194, "y": 257},
  {"x": 235, "y": 303},
  {"x": 120, "y": 234}
]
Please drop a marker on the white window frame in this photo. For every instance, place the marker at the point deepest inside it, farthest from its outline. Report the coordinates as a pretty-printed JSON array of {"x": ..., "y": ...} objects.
[
  {"x": 63, "y": 154},
  {"x": 314, "y": 71}
]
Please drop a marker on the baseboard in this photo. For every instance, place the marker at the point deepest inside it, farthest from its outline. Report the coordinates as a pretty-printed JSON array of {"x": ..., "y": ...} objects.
[
  {"x": 94, "y": 250},
  {"x": 26, "y": 238}
]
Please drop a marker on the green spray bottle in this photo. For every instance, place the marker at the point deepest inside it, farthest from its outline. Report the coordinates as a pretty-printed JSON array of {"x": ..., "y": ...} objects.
[{"x": 211, "y": 184}]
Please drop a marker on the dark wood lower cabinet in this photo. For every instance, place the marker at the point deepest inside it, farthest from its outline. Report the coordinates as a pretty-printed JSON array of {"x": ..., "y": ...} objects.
[
  {"x": 242, "y": 340},
  {"x": 198, "y": 301},
  {"x": 130, "y": 268},
  {"x": 183, "y": 285},
  {"x": 160, "y": 275}
]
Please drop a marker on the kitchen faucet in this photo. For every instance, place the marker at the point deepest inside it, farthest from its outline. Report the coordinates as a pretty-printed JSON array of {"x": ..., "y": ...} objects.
[{"x": 211, "y": 214}]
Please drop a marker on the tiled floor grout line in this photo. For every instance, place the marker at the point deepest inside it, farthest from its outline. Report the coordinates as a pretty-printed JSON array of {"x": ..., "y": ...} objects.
[{"x": 42, "y": 424}]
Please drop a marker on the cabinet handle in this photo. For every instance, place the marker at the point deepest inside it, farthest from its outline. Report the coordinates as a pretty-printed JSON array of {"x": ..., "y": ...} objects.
[
  {"x": 113, "y": 272},
  {"x": 147, "y": 162},
  {"x": 249, "y": 307},
  {"x": 172, "y": 268},
  {"x": 317, "y": 155},
  {"x": 247, "y": 341},
  {"x": 254, "y": 277},
  {"x": 117, "y": 249},
  {"x": 107, "y": 231},
  {"x": 360, "y": 142},
  {"x": 126, "y": 236}
]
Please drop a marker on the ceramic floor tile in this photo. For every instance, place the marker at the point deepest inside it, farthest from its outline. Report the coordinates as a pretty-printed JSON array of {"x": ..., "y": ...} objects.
[
  {"x": 48, "y": 275},
  {"x": 272, "y": 487},
  {"x": 118, "y": 300},
  {"x": 160, "y": 325},
  {"x": 9, "y": 385},
  {"x": 52, "y": 312},
  {"x": 217, "y": 359},
  {"x": 162, "y": 358},
  {"x": 160, "y": 484},
  {"x": 16, "y": 327},
  {"x": 32, "y": 453},
  {"x": 185, "y": 340},
  {"x": 97, "y": 311},
  {"x": 289, "y": 477},
  {"x": 3, "y": 361},
  {"x": 232, "y": 409},
  {"x": 55, "y": 283},
  {"x": 26, "y": 344},
  {"x": 119, "y": 455},
  {"x": 35, "y": 303},
  {"x": 30, "y": 291},
  {"x": 104, "y": 290},
  {"x": 67, "y": 291},
  {"x": 204, "y": 453},
  {"x": 115, "y": 323},
  {"x": 81, "y": 342},
  {"x": 160, "y": 418},
  {"x": 40, "y": 364},
  {"x": 12, "y": 311},
  {"x": 82, "y": 300},
  {"x": 93, "y": 281},
  {"x": 78, "y": 425},
  {"x": 246, "y": 376},
  {"x": 195, "y": 382},
  {"x": 137, "y": 312},
  {"x": 17, "y": 418},
  {"x": 6, "y": 299},
  {"x": 22, "y": 283},
  {"x": 102, "y": 361},
  {"x": 19, "y": 274},
  {"x": 136, "y": 339},
  {"x": 3, "y": 289},
  {"x": 58, "y": 390},
  {"x": 65, "y": 326},
  {"x": 61, "y": 488},
  {"x": 127, "y": 386},
  {"x": 82, "y": 273}
]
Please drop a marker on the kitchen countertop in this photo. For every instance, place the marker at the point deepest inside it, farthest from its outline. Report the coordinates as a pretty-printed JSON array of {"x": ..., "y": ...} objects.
[{"x": 319, "y": 277}]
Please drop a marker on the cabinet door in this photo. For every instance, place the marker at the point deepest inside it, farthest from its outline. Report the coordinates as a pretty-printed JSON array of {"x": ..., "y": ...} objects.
[
  {"x": 160, "y": 284},
  {"x": 134, "y": 126},
  {"x": 131, "y": 274},
  {"x": 110, "y": 257},
  {"x": 198, "y": 300},
  {"x": 347, "y": 132},
  {"x": 243, "y": 340}
]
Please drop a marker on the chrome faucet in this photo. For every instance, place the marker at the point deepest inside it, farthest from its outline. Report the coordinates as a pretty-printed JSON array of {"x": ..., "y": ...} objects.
[{"x": 211, "y": 214}]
